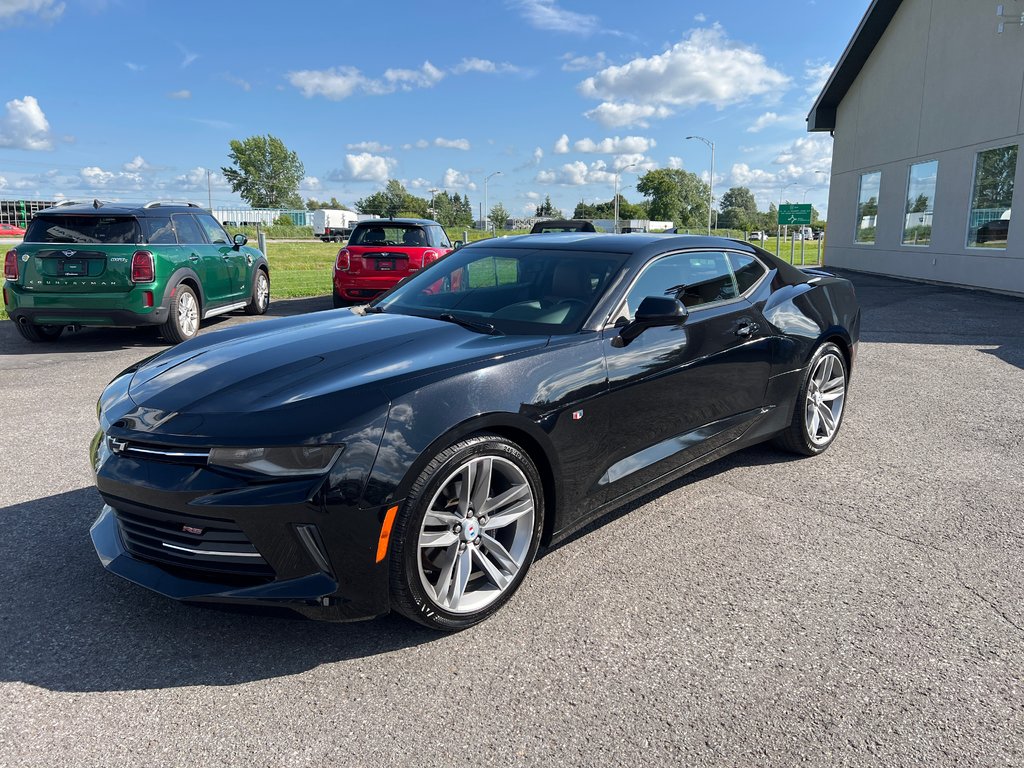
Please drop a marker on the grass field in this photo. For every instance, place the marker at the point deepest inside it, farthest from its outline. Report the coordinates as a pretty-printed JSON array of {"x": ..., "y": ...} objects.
[{"x": 299, "y": 269}]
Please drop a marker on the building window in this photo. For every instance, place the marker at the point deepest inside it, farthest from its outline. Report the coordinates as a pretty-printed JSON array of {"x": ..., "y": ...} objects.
[
  {"x": 989, "y": 223},
  {"x": 917, "y": 219},
  {"x": 867, "y": 207}
]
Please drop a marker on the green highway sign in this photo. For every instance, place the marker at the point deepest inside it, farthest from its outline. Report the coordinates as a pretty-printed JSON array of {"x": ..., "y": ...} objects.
[{"x": 794, "y": 214}]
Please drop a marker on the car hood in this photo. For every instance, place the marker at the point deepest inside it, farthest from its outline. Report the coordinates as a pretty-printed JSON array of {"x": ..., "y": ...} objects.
[{"x": 283, "y": 363}]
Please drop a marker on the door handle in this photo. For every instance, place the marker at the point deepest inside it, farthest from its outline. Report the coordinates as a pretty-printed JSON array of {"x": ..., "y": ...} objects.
[
  {"x": 193, "y": 257},
  {"x": 746, "y": 329}
]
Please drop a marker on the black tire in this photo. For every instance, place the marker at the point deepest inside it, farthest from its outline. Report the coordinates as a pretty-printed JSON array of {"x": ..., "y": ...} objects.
[
  {"x": 39, "y": 333},
  {"x": 513, "y": 470},
  {"x": 339, "y": 300},
  {"x": 260, "y": 299},
  {"x": 182, "y": 323},
  {"x": 803, "y": 436}
]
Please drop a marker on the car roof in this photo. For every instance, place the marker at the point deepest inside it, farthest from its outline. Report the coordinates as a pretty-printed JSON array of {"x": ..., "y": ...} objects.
[
  {"x": 384, "y": 222},
  {"x": 102, "y": 208}
]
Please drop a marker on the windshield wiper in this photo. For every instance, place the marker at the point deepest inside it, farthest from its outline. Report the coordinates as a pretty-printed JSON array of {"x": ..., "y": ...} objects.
[
  {"x": 470, "y": 324},
  {"x": 374, "y": 310}
]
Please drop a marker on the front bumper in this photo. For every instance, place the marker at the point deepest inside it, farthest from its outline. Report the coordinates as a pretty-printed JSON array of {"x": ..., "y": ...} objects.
[{"x": 316, "y": 595}]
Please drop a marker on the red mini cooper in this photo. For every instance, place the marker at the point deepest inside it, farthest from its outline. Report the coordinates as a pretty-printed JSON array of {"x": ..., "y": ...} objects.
[{"x": 381, "y": 252}]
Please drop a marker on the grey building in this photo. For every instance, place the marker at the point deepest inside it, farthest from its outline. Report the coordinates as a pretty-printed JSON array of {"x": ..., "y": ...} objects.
[{"x": 926, "y": 109}]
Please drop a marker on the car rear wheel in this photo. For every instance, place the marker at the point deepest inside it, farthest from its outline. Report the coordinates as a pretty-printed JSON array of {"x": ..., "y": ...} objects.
[
  {"x": 39, "y": 333},
  {"x": 820, "y": 403},
  {"x": 183, "y": 322},
  {"x": 339, "y": 300},
  {"x": 465, "y": 538},
  {"x": 260, "y": 295}
]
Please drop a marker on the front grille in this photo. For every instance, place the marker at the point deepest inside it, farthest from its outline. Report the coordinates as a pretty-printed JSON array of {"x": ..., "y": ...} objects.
[
  {"x": 158, "y": 452},
  {"x": 196, "y": 546}
]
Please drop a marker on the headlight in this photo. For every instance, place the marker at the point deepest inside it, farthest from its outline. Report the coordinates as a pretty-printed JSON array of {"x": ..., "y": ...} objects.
[{"x": 279, "y": 462}]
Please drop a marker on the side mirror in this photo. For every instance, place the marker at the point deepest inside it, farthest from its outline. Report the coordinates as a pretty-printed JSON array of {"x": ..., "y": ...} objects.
[
  {"x": 653, "y": 312},
  {"x": 457, "y": 244},
  {"x": 240, "y": 240}
]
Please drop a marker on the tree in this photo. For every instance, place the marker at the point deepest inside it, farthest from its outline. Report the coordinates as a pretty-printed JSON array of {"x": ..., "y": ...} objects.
[
  {"x": 265, "y": 173},
  {"x": 627, "y": 210},
  {"x": 393, "y": 200},
  {"x": 547, "y": 209},
  {"x": 312, "y": 204},
  {"x": 740, "y": 198},
  {"x": 498, "y": 216},
  {"x": 675, "y": 195}
]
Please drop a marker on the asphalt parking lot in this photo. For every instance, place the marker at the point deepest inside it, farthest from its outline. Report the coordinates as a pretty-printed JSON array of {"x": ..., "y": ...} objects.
[{"x": 860, "y": 608}]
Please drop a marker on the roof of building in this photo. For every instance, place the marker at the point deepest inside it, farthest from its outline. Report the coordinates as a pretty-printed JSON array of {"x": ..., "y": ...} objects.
[{"x": 822, "y": 116}]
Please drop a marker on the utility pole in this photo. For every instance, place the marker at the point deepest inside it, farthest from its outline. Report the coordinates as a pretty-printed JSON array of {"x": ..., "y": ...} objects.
[
  {"x": 711, "y": 180},
  {"x": 209, "y": 189},
  {"x": 487, "y": 211},
  {"x": 616, "y": 227}
]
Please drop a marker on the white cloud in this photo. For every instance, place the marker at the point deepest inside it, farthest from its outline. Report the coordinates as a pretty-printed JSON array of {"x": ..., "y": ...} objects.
[
  {"x": 3, "y": 183},
  {"x": 817, "y": 74},
  {"x": 311, "y": 183},
  {"x": 187, "y": 56},
  {"x": 368, "y": 146},
  {"x": 94, "y": 177},
  {"x": 704, "y": 68},
  {"x": 571, "y": 63},
  {"x": 626, "y": 114},
  {"x": 638, "y": 159},
  {"x": 484, "y": 66},
  {"x": 46, "y": 9},
  {"x": 136, "y": 164},
  {"x": 813, "y": 152},
  {"x": 367, "y": 167},
  {"x": 533, "y": 195},
  {"x": 133, "y": 67},
  {"x": 419, "y": 183},
  {"x": 419, "y": 144},
  {"x": 538, "y": 155},
  {"x": 762, "y": 122},
  {"x": 615, "y": 145},
  {"x": 700, "y": 18},
  {"x": 245, "y": 85},
  {"x": 195, "y": 179},
  {"x": 462, "y": 144},
  {"x": 562, "y": 145},
  {"x": 339, "y": 83},
  {"x": 548, "y": 16},
  {"x": 182, "y": 94},
  {"x": 24, "y": 126},
  {"x": 675, "y": 162},
  {"x": 578, "y": 174},
  {"x": 454, "y": 179}
]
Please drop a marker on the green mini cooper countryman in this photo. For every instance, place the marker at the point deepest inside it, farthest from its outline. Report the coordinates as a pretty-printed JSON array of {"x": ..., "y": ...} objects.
[{"x": 168, "y": 264}]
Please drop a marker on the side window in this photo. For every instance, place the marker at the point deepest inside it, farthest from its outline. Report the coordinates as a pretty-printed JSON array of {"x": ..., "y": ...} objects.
[
  {"x": 159, "y": 230},
  {"x": 745, "y": 270},
  {"x": 493, "y": 271},
  {"x": 439, "y": 238},
  {"x": 214, "y": 231},
  {"x": 696, "y": 279},
  {"x": 187, "y": 229}
]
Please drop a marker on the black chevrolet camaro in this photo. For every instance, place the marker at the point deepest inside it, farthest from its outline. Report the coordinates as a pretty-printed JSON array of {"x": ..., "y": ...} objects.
[{"x": 413, "y": 454}]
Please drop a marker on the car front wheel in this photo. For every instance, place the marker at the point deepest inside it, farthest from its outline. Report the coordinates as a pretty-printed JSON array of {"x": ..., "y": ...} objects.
[
  {"x": 183, "y": 322},
  {"x": 818, "y": 413},
  {"x": 465, "y": 539}
]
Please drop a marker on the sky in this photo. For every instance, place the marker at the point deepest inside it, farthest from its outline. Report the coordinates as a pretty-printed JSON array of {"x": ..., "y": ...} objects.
[{"x": 133, "y": 100}]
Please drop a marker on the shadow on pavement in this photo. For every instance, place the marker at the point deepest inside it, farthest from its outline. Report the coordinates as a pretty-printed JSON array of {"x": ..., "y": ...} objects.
[{"x": 68, "y": 625}]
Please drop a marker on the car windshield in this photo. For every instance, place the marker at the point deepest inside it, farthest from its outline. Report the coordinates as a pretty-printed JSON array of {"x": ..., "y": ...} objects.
[
  {"x": 408, "y": 235},
  {"x": 518, "y": 291},
  {"x": 98, "y": 230}
]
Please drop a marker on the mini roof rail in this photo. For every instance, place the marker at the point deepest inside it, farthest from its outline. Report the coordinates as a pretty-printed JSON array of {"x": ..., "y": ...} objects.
[{"x": 158, "y": 203}]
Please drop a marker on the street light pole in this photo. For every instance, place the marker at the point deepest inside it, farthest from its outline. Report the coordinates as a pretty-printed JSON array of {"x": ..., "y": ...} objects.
[
  {"x": 487, "y": 211},
  {"x": 616, "y": 202},
  {"x": 711, "y": 180},
  {"x": 433, "y": 191},
  {"x": 778, "y": 233}
]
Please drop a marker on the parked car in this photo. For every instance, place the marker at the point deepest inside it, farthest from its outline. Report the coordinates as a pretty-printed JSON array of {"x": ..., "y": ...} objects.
[
  {"x": 166, "y": 264},
  {"x": 413, "y": 454},
  {"x": 562, "y": 225},
  {"x": 380, "y": 252},
  {"x": 11, "y": 230},
  {"x": 758, "y": 236},
  {"x": 997, "y": 230}
]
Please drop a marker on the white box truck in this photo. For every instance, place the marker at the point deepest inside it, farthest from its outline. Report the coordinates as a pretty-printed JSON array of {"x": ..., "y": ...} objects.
[{"x": 333, "y": 226}]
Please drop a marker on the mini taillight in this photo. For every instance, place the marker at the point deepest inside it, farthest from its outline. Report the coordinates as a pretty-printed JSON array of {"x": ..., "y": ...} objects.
[
  {"x": 344, "y": 262},
  {"x": 11, "y": 265},
  {"x": 142, "y": 267},
  {"x": 430, "y": 257}
]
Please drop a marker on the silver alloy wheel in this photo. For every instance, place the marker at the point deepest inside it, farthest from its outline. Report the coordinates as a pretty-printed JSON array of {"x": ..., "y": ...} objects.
[
  {"x": 826, "y": 393},
  {"x": 476, "y": 534},
  {"x": 262, "y": 290},
  {"x": 188, "y": 313}
]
